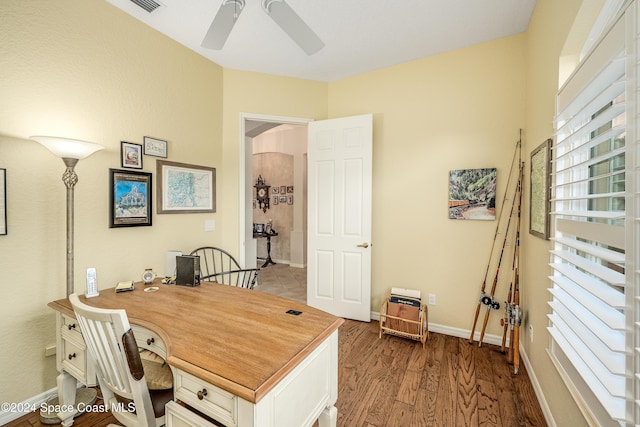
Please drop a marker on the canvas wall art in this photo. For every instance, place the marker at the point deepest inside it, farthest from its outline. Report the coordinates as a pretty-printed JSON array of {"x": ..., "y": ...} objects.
[{"x": 472, "y": 194}]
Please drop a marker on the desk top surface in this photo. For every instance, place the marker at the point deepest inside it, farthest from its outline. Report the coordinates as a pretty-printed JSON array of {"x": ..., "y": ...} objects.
[{"x": 240, "y": 340}]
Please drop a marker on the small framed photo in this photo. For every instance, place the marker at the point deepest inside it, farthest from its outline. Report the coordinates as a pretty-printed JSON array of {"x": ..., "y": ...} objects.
[
  {"x": 290, "y": 189},
  {"x": 275, "y": 190},
  {"x": 290, "y": 199},
  {"x": 131, "y": 155},
  {"x": 283, "y": 189},
  {"x": 275, "y": 200},
  {"x": 283, "y": 199},
  {"x": 130, "y": 198},
  {"x": 155, "y": 147}
]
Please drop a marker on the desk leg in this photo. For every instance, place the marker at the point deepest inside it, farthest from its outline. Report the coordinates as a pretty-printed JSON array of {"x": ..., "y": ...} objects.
[
  {"x": 328, "y": 417},
  {"x": 67, "y": 397}
]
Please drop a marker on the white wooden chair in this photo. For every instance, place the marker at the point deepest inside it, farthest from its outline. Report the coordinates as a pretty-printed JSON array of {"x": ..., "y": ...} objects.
[
  {"x": 219, "y": 266},
  {"x": 112, "y": 346}
]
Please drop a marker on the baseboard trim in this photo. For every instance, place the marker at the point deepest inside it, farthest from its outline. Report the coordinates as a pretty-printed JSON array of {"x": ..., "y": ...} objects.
[
  {"x": 26, "y": 406},
  {"x": 297, "y": 265},
  {"x": 546, "y": 411},
  {"x": 495, "y": 340}
]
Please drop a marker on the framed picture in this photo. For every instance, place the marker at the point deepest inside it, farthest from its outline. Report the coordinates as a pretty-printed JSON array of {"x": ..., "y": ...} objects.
[
  {"x": 275, "y": 190},
  {"x": 155, "y": 147},
  {"x": 472, "y": 194},
  {"x": 184, "y": 188},
  {"x": 3, "y": 202},
  {"x": 130, "y": 198},
  {"x": 131, "y": 155},
  {"x": 275, "y": 200},
  {"x": 290, "y": 199},
  {"x": 283, "y": 189},
  {"x": 283, "y": 199},
  {"x": 540, "y": 187}
]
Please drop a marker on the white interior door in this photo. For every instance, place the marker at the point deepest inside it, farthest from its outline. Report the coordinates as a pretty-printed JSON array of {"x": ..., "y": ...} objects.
[{"x": 339, "y": 216}]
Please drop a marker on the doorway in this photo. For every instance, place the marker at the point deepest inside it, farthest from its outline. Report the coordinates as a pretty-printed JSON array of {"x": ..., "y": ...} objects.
[{"x": 274, "y": 132}]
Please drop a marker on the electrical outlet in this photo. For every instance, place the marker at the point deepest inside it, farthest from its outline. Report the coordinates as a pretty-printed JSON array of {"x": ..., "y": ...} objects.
[
  {"x": 210, "y": 225},
  {"x": 531, "y": 332},
  {"x": 432, "y": 299}
]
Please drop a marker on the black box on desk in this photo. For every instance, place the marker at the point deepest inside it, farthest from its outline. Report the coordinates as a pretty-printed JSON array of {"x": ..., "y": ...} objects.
[{"x": 187, "y": 270}]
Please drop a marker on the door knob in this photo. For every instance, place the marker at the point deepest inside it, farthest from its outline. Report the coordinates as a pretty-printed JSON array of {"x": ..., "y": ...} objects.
[{"x": 364, "y": 245}]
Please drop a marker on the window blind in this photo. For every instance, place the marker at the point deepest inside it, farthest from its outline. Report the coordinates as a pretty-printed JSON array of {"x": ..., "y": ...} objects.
[{"x": 588, "y": 309}]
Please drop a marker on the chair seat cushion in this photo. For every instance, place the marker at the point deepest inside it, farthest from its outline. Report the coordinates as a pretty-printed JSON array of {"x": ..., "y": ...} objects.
[{"x": 157, "y": 372}]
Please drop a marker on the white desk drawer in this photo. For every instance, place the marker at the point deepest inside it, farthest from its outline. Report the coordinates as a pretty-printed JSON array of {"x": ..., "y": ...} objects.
[
  {"x": 209, "y": 399},
  {"x": 74, "y": 358},
  {"x": 149, "y": 340},
  {"x": 70, "y": 327},
  {"x": 178, "y": 416}
]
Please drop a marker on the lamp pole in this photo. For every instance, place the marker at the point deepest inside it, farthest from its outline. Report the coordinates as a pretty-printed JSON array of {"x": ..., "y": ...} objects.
[
  {"x": 70, "y": 179},
  {"x": 70, "y": 151}
]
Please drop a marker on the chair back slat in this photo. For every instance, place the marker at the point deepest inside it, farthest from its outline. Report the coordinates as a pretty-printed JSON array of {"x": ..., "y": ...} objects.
[
  {"x": 218, "y": 265},
  {"x": 103, "y": 331},
  {"x": 102, "y": 342}
]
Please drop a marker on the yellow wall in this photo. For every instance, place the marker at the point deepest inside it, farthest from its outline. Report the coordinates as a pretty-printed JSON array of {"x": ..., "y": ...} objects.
[
  {"x": 256, "y": 93},
  {"x": 457, "y": 110},
  {"x": 86, "y": 70},
  {"x": 546, "y": 36}
]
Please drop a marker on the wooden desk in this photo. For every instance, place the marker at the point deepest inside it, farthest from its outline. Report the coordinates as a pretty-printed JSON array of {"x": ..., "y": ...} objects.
[{"x": 238, "y": 341}]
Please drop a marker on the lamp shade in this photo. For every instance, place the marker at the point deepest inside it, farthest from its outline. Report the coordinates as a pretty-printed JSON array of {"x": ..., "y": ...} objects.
[{"x": 68, "y": 148}]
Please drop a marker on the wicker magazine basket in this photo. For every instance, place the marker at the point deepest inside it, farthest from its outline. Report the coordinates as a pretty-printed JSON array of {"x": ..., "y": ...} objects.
[{"x": 405, "y": 317}]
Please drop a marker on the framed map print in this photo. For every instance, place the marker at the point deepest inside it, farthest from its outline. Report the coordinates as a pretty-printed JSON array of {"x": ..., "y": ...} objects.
[
  {"x": 540, "y": 186},
  {"x": 184, "y": 188}
]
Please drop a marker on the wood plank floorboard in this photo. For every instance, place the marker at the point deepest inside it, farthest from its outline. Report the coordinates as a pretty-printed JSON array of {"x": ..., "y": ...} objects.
[{"x": 391, "y": 381}]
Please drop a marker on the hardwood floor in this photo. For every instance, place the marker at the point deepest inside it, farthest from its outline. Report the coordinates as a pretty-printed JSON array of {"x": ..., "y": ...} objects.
[{"x": 394, "y": 382}]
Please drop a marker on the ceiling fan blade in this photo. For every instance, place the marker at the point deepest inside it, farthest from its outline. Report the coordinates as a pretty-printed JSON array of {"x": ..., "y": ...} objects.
[
  {"x": 222, "y": 24},
  {"x": 293, "y": 25}
]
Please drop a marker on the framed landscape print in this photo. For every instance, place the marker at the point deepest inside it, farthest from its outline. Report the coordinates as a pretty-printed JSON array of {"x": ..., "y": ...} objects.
[
  {"x": 472, "y": 194},
  {"x": 130, "y": 198},
  {"x": 184, "y": 188},
  {"x": 540, "y": 187}
]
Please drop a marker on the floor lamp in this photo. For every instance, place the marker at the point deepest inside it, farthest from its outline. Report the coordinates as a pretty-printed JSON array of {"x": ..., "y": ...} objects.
[{"x": 70, "y": 151}]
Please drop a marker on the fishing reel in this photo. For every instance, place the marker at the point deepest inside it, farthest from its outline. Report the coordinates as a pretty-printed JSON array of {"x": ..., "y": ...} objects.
[
  {"x": 489, "y": 301},
  {"x": 517, "y": 315}
]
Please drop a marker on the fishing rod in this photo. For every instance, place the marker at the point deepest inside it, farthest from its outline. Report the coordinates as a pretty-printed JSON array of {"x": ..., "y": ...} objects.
[
  {"x": 484, "y": 298},
  {"x": 511, "y": 308},
  {"x": 496, "y": 305},
  {"x": 516, "y": 312}
]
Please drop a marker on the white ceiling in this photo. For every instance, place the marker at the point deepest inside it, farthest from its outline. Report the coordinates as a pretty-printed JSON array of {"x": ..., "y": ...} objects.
[{"x": 359, "y": 35}]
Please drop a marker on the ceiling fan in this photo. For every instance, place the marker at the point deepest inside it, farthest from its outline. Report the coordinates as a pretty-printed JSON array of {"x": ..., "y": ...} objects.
[{"x": 278, "y": 10}]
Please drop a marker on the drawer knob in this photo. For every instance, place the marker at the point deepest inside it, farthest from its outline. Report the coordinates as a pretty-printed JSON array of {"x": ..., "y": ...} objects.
[
  {"x": 72, "y": 355},
  {"x": 72, "y": 326},
  {"x": 150, "y": 341},
  {"x": 202, "y": 393}
]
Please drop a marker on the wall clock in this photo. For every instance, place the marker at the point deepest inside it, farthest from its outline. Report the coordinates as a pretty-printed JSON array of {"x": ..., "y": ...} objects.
[{"x": 262, "y": 194}]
